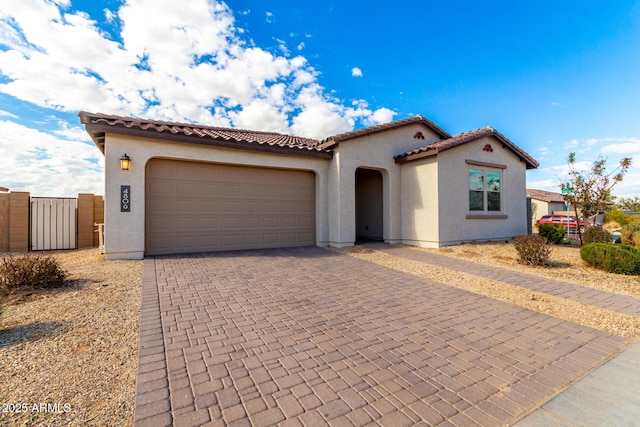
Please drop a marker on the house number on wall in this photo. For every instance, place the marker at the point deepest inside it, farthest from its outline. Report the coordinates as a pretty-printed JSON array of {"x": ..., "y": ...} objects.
[{"x": 125, "y": 198}]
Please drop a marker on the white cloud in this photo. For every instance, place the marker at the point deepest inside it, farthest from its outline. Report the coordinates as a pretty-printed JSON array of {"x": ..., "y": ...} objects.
[
  {"x": 181, "y": 65},
  {"x": 8, "y": 114},
  {"x": 47, "y": 165},
  {"x": 624, "y": 148},
  {"x": 356, "y": 72},
  {"x": 545, "y": 184},
  {"x": 189, "y": 64},
  {"x": 381, "y": 115},
  {"x": 109, "y": 15}
]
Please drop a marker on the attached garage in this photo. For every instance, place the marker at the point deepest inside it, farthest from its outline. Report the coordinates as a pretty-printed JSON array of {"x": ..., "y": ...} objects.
[{"x": 198, "y": 207}]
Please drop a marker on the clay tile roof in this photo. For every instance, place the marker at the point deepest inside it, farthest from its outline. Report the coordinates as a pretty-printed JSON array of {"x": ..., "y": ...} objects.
[
  {"x": 98, "y": 125},
  {"x": 545, "y": 196},
  {"x": 334, "y": 140},
  {"x": 463, "y": 138}
]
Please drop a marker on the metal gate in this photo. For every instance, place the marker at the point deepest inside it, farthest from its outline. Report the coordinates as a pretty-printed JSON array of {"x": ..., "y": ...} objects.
[{"x": 53, "y": 223}]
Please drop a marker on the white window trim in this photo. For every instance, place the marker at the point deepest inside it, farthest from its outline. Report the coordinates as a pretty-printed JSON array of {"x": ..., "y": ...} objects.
[{"x": 485, "y": 213}]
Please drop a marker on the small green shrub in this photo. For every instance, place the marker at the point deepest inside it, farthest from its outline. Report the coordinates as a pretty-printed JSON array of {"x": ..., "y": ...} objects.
[
  {"x": 533, "y": 249},
  {"x": 596, "y": 235},
  {"x": 621, "y": 259},
  {"x": 41, "y": 271},
  {"x": 554, "y": 233}
]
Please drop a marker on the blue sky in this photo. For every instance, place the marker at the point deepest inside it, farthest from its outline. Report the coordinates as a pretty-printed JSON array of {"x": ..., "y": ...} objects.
[{"x": 554, "y": 77}]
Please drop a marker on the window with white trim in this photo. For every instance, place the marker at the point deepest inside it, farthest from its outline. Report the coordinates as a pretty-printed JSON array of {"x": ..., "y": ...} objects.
[{"x": 485, "y": 188}]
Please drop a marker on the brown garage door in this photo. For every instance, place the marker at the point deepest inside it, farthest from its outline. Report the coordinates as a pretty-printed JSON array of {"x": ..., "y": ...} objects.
[{"x": 199, "y": 207}]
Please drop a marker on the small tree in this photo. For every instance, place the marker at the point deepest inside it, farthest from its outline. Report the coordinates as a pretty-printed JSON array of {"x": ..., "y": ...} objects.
[{"x": 592, "y": 188}]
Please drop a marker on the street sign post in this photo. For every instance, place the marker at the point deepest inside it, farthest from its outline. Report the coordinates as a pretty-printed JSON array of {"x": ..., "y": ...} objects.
[{"x": 567, "y": 190}]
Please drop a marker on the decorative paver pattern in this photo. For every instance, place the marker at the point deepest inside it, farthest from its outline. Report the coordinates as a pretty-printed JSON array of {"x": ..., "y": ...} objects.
[
  {"x": 608, "y": 300},
  {"x": 306, "y": 336}
]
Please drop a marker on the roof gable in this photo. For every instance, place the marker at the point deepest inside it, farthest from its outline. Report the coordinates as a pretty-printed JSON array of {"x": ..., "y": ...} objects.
[
  {"x": 97, "y": 125},
  {"x": 336, "y": 139},
  {"x": 463, "y": 138}
]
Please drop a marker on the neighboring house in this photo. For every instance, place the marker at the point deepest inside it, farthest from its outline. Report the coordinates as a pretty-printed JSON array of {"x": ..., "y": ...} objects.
[
  {"x": 544, "y": 203},
  {"x": 192, "y": 188}
]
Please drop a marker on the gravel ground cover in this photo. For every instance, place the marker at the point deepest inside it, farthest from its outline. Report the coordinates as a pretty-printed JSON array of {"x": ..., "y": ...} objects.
[
  {"x": 565, "y": 265},
  {"x": 68, "y": 356}
]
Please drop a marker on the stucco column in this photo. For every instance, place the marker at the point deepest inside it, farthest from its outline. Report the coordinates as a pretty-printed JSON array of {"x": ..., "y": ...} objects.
[
  {"x": 341, "y": 204},
  {"x": 124, "y": 230}
]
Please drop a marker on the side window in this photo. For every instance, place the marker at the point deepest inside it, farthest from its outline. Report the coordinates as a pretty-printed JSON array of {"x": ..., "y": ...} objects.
[
  {"x": 485, "y": 190},
  {"x": 476, "y": 189},
  {"x": 493, "y": 190}
]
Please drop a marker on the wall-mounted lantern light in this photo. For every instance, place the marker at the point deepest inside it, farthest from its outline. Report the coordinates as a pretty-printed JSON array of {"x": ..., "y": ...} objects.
[{"x": 125, "y": 162}]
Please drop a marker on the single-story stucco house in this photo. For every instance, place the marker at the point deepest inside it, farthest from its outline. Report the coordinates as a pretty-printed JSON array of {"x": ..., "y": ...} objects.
[
  {"x": 193, "y": 188},
  {"x": 544, "y": 203}
]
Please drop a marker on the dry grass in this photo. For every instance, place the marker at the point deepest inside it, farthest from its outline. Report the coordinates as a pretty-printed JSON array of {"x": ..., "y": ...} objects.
[
  {"x": 75, "y": 345},
  {"x": 565, "y": 264}
]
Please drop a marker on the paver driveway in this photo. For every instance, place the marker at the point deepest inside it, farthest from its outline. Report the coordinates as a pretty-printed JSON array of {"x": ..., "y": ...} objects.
[{"x": 306, "y": 336}]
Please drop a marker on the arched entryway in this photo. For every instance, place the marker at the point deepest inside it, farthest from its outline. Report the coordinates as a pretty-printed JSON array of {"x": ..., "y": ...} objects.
[{"x": 369, "y": 205}]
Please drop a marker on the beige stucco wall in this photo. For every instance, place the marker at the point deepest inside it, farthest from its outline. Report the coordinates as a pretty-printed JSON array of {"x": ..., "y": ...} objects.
[
  {"x": 375, "y": 151},
  {"x": 128, "y": 241},
  {"x": 419, "y": 203},
  {"x": 454, "y": 225}
]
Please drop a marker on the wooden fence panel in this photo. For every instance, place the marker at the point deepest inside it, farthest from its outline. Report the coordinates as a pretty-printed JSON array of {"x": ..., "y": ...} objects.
[{"x": 53, "y": 223}]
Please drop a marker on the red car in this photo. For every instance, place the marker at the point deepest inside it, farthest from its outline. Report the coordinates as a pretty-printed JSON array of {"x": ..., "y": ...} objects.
[{"x": 567, "y": 221}]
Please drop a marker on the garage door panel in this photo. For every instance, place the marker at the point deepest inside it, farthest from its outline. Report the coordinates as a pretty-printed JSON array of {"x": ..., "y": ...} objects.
[
  {"x": 306, "y": 236},
  {"x": 306, "y": 222},
  {"x": 252, "y": 239},
  {"x": 271, "y": 207},
  {"x": 231, "y": 207},
  {"x": 270, "y": 222},
  {"x": 251, "y": 207},
  {"x": 209, "y": 207},
  {"x": 253, "y": 223},
  {"x": 289, "y": 238},
  {"x": 231, "y": 190},
  {"x": 209, "y": 223},
  {"x": 289, "y": 222},
  {"x": 193, "y": 207}
]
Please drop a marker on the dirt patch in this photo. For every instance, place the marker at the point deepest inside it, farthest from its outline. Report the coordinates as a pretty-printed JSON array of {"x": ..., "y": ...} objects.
[{"x": 73, "y": 349}]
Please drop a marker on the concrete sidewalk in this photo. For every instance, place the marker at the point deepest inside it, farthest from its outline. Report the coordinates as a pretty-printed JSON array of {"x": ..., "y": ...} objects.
[{"x": 608, "y": 396}]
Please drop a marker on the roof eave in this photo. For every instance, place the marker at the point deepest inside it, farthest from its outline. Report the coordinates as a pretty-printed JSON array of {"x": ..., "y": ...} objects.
[
  {"x": 98, "y": 134},
  {"x": 416, "y": 156},
  {"x": 334, "y": 140}
]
